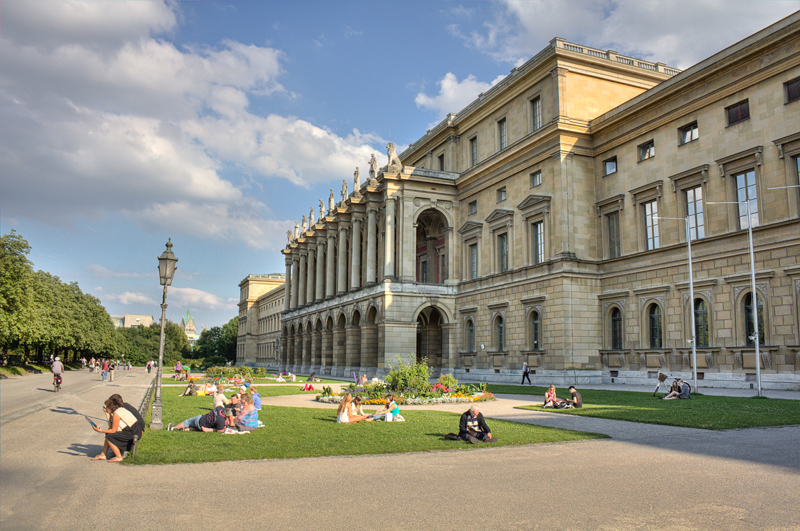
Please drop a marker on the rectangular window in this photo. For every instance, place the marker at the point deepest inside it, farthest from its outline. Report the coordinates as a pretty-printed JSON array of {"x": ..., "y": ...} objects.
[
  {"x": 739, "y": 112},
  {"x": 536, "y": 178},
  {"x": 538, "y": 242},
  {"x": 502, "y": 252},
  {"x": 651, "y": 224},
  {"x": 423, "y": 271},
  {"x": 792, "y": 90},
  {"x": 689, "y": 133},
  {"x": 501, "y": 194},
  {"x": 501, "y": 132},
  {"x": 694, "y": 209},
  {"x": 747, "y": 196},
  {"x": 536, "y": 113},
  {"x": 473, "y": 261},
  {"x": 613, "y": 235},
  {"x": 473, "y": 148},
  {"x": 473, "y": 207},
  {"x": 441, "y": 162},
  {"x": 647, "y": 150},
  {"x": 610, "y": 166}
]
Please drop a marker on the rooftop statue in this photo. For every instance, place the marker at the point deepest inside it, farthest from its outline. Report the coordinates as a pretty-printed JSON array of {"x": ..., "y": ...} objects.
[
  {"x": 321, "y": 209},
  {"x": 311, "y": 217},
  {"x": 331, "y": 203},
  {"x": 305, "y": 227},
  {"x": 391, "y": 151},
  {"x": 289, "y": 236},
  {"x": 344, "y": 190},
  {"x": 357, "y": 183},
  {"x": 373, "y": 170},
  {"x": 296, "y": 230}
]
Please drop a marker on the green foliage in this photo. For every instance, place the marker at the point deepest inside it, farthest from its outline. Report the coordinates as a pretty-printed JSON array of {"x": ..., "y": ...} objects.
[
  {"x": 218, "y": 342},
  {"x": 448, "y": 380},
  {"x": 140, "y": 344},
  {"x": 410, "y": 379}
]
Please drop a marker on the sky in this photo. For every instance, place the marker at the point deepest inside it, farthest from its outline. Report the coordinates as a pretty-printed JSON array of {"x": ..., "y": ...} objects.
[{"x": 219, "y": 124}]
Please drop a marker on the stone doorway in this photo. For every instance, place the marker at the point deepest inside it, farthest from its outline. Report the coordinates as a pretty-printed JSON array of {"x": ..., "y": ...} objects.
[{"x": 429, "y": 337}]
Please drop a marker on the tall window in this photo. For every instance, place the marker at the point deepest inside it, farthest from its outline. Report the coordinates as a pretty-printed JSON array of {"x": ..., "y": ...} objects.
[
  {"x": 500, "y": 332},
  {"x": 473, "y": 261},
  {"x": 536, "y": 113},
  {"x": 694, "y": 209},
  {"x": 654, "y": 319},
  {"x": 470, "y": 336},
  {"x": 441, "y": 162},
  {"x": 423, "y": 271},
  {"x": 536, "y": 178},
  {"x": 792, "y": 90},
  {"x": 739, "y": 112},
  {"x": 616, "y": 329},
  {"x": 535, "y": 331},
  {"x": 651, "y": 224},
  {"x": 647, "y": 150},
  {"x": 701, "y": 322},
  {"x": 501, "y": 132},
  {"x": 746, "y": 193},
  {"x": 538, "y": 242},
  {"x": 613, "y": 235},
  {"x": 501, "y": 194},
  {"x": 688, "y": 133},
  {"x": 748, "y": 321},
  {"x": 473, "y": 148},
  {"x": 502, "y": 252},
  {"x": 473, "y": 207}
]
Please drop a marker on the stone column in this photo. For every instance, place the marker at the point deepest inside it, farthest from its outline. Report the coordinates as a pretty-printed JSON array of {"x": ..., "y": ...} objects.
[
  {"x": 353, "y": 351},
  {"x": 306, "y": 363},
  {"x": 341, "y": 266},
  {"x": 372, "y": 246},
  {"x": 330, "y": 286},
  {"x": 338, "y": 349},
  {"x": 295, "y": 267},
  {"x": 301, "y": 290},
  {"x": 327, "y": 351},
  {"x": 388, "y": 270},
  {"x": 287, "y": 286},
  {"x": 369, "y": 346},
  {"x": 318, "y": 292},
  {"x": 311, "y": 281},
  {"x": 316, "y": 350},
  {"x": 355, "y": 255}
]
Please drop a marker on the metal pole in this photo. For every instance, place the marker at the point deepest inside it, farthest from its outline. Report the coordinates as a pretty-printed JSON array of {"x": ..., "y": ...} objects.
[
  {"x": 155, "y": 418},
  {"x": 691, "y": 306},
  {"x": 754, "y": 296}
]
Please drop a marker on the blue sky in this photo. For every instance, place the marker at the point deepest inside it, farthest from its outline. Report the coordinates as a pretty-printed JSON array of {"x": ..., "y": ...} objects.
[{"x": 219, "y": 124}]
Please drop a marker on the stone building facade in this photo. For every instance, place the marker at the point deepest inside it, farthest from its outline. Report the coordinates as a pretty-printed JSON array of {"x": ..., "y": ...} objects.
[
  {"x": 546, "y": 224},
  {"x": 260, "y": 307}
]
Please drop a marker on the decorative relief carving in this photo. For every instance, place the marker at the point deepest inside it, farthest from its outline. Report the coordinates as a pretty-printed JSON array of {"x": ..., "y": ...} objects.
[
  {"x": 706, "y": 293},
  {"x": 643, "y": 300},
  {"x": 620, "y": 303},
  {"x": 762, "y": 287},
  {"x": 417, "y": 201}
]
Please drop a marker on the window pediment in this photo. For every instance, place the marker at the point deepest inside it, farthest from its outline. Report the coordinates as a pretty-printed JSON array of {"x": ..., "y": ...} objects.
[
  {"x": 470, "y": 228},
  {"x": 740, "y": 160},
  {"x": 647, "y": 192},
  {"x": 500, "y": 214},
  {"x": 534, "y": 204},
  {"x": 689, "y": 178},
  {"x": 611, "y": 204}
]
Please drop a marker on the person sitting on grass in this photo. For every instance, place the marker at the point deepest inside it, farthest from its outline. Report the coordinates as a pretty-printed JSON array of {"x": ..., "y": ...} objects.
[
  {"x": 191, "y": 390},
  {"x": 280, "y": 379},
  {"x": 577, "y": 400},
  {"x": 389, "y": 412},
  {"x": 233, "y": 409},
  {"x": 346, "y": 414},
  {"x": 219, "y": 397},
  {"x": 256, "y": 397},
  {"x": 247, "y": 419},
  {"x": 124, "y": 423},
  {"x": 681, "y": 392},
  {"x": 473, "y": 428},
  {"x": 550, "y": 398},
  {"x": 214, "y": 420}
]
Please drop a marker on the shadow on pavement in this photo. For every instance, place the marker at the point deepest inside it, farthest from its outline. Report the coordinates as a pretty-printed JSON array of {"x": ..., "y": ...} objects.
[
  {"x": 65, "y": 410},
  {"x": 82, "y": 450}
]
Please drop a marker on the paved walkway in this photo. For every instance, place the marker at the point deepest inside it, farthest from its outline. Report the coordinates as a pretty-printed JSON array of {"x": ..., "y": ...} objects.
[{"x": 644, "y": 477}]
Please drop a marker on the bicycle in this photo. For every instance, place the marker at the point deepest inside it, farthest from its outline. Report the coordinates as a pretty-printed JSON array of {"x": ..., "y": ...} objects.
[{"x": 57, "y": 382}]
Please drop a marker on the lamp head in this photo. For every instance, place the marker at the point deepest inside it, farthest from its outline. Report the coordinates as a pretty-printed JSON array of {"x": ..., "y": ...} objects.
[{"x": 167, "y": 265}]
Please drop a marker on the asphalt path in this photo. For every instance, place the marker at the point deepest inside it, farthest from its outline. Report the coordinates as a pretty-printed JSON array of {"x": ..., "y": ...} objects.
[{"x": 644, "y": 477}]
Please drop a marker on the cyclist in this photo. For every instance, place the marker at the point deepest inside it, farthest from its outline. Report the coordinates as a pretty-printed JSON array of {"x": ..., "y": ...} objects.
[{"x": 57, "y": 368}]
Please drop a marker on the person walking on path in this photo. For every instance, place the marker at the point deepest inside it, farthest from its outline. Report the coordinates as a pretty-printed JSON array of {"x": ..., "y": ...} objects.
[{"x": 525, "y": 374}]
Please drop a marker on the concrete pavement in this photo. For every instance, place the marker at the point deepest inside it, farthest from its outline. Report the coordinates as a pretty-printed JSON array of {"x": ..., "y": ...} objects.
[{"x": 644, "y": 477}]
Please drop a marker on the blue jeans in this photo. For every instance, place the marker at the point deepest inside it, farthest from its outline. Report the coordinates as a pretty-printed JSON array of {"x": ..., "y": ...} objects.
[{"x": 104, "y": 376}]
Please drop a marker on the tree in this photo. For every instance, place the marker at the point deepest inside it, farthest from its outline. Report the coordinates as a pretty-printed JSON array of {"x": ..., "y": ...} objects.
[
  {"x": 15, "y": 289},
  {"x": 218, "y": 342}
]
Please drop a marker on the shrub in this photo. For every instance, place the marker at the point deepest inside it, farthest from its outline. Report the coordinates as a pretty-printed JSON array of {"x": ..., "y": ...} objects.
[
  {"x": 448, "y": 380},
  {"x": 410, "y": 379}
]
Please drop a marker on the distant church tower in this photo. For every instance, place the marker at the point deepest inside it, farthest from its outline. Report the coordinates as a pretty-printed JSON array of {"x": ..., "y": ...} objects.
[{"x": 187, "y": 323}]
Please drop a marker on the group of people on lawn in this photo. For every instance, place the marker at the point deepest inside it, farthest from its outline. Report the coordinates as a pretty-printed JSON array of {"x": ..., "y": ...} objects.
[
  {"x": 351, "y": 411},
  {"x": 237, "y": 414}
]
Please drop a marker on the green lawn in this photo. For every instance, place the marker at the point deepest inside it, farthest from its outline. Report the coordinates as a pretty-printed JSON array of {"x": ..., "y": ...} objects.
[
  {"x": 702, "y": 411},
  {"x": 167, "y": 379},
  {"x": 307, "y": 432}
]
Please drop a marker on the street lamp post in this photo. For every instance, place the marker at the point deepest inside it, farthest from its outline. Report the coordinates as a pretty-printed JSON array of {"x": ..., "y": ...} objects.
[
  {"x": 691, "y": 298},
  {"x": 166, "y": 270},
  {"x": 753, "y": 292}
]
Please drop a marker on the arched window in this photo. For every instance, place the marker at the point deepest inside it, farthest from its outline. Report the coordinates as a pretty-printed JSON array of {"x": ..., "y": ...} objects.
[
  {"x": 748, "y": 321},
  {"x": 654, "y": 320},
  {"x": 499, "y": 328},
  {"x": 701, "y": 330},
  {"x": 535, "y": 331},
  {"x": 616, "y": 329},
  {"x": 470, "y": 336}
]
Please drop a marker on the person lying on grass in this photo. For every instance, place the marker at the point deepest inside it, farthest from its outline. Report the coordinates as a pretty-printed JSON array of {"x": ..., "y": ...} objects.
[
  {"x": 473, "y": 428},
  {"x": 214, "y": 420}
]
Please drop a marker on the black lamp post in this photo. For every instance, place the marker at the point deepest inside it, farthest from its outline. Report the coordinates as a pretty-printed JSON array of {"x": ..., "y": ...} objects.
[{"x": 166, "y": 270}]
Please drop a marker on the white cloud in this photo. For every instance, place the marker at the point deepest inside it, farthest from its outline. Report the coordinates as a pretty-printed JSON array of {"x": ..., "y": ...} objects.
[
  {"x": 129, "y": 298},
  {"x": 674, "y": 32},
  {"x": 105, "y": 115},
  {"x": 191, "y": 297},
  {"x": 101, "y": 271},
  {"x": 454, "y": 95}
]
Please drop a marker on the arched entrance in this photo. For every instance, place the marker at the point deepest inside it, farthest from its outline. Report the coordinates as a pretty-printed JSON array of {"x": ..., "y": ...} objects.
[
  {"x": 429, "y": 336},
  {"x": 431, "y": 247}
]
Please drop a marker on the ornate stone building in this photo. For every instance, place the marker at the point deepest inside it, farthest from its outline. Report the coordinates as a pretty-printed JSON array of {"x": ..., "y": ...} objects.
[
  {"x": 260, "y": 307},
  {"x": 545, "y": 224}
]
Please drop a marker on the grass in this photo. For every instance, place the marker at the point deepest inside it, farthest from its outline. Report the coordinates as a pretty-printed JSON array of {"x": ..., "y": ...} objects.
[
  {"x": 167, "y": 379},
  {"x": 308, "y": 432},
  {"x": 702, "y": 411}
]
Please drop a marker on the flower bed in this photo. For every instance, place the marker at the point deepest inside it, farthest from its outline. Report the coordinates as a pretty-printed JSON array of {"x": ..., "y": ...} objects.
[{"x": 481, "y": 397}]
